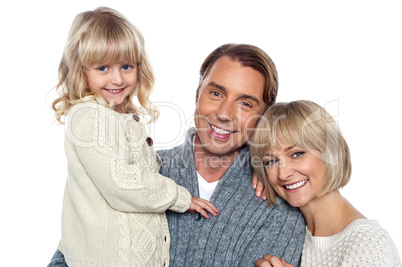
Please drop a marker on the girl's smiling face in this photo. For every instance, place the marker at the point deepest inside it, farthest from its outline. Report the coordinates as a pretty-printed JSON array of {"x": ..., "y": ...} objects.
[
  {"x": 296, "y": 174},
  {"x": 115, "y": 81}
]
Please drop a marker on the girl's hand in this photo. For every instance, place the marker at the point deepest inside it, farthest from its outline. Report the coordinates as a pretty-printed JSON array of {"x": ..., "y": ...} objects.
[
  {"x": 259, "y": 187},
  {"x": 272, "y": 261},
  {"x": 201, "y": 206}
]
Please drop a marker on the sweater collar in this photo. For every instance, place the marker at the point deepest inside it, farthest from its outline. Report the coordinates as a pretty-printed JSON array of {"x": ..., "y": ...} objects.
[{"x": 241, "y": 160}]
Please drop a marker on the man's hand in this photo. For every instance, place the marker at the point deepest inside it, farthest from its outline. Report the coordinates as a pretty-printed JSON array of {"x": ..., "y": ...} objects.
[
  {"x": 201, "y": 206},
  {"x": 259, "y": 187},
  {"x": 272, "y": 261}
]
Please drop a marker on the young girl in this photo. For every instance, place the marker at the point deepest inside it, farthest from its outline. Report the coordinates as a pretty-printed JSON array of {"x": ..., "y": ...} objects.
[
  {"x": 114, "y": 201},
  {"x": 305, "y": 160}
]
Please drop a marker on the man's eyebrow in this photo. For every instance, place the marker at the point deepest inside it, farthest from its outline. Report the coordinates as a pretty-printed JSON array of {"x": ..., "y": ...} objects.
[
  {"x": 214, "y": 84},
  {"x": 242, "y": 96},
  {"x": 251, "y": 97}
]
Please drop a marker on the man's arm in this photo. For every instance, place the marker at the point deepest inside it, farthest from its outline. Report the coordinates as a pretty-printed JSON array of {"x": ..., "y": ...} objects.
[{"x": 282, "y": 235}]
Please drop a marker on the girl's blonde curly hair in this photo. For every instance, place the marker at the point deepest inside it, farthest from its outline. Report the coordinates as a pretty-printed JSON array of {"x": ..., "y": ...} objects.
[{"x": 98, "y": 36}]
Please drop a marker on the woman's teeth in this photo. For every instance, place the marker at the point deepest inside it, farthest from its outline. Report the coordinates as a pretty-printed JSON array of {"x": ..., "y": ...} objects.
[
  {"x": 297, "y": 185},
  {"x": 220, "y": 131}
]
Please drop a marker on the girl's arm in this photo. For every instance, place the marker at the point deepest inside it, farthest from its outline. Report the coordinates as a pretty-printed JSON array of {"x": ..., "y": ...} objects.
[
  {"x": 97, "y": 140},
  {"x": 201, "y": 206}
]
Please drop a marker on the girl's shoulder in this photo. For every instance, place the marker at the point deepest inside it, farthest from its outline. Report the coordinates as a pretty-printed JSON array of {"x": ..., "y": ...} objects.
[
  {"x": 89, "y": 115},
  {"x": 94, "y": 113},
  {"x": 87, "y": 106},
  {"x": 93, "y": 109},
  {"x": 83, "y": 110}
]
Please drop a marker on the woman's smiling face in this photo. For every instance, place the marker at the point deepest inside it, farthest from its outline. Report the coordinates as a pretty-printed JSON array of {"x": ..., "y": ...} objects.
[{"x": 296, "y": 174}]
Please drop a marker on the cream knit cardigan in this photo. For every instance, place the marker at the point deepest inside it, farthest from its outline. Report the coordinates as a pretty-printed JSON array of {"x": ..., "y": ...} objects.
[{"x": 114, "y": 200}]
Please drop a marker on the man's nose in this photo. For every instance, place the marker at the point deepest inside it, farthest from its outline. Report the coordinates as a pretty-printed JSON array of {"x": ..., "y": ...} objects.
[{"x": 226, "y": 111}]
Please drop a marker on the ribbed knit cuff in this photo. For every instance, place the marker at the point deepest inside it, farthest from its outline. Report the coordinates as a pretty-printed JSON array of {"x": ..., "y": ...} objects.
[{"x": 183, "y": 201}]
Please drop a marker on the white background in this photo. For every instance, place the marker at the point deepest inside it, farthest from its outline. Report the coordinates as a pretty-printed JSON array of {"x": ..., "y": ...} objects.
[{"x": 345, "y": 55}]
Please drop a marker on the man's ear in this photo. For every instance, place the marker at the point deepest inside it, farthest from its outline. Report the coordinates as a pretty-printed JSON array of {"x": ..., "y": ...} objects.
[{"x": 197, "y": 93}]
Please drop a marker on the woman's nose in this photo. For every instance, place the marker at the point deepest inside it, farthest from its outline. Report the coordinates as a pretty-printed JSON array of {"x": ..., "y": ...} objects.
[{"x": 285, "y": 170}]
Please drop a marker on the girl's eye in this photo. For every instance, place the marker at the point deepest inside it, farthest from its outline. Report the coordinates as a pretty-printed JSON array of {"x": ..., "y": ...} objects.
[
  {"x": 126, "y": 67},
  {"x": 298, "y": 154},
  {"x": 102, "y": 68}
]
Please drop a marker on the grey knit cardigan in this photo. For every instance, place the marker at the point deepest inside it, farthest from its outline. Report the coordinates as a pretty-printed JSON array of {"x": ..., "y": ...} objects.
[{"x": 245, "y": 229}]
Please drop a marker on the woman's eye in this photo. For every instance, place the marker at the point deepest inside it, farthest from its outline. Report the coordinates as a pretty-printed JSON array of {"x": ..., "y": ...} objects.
[
  {"x": 126, "y": 67},
  {"x": 102, "y": 68},
  {"x": 270, "y": 163}
]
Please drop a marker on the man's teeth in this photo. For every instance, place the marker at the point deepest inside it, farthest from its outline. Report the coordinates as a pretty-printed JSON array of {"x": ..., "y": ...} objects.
[
  {"x": 220, "y": 131},
  {"x": 294, "y": 186}
]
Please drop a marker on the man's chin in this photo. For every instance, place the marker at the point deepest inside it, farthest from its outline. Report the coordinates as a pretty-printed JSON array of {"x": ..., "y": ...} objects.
[{"x": 216, "y": 151}]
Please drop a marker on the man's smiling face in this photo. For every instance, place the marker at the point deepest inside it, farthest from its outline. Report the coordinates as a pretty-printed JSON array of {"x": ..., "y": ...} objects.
[{"x": 230, "y": 103}]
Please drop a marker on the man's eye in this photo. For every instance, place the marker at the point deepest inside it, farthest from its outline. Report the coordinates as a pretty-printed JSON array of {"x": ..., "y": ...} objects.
[
  {"x": 246, "y": 104},
  {"x": 214, "y": 93}
]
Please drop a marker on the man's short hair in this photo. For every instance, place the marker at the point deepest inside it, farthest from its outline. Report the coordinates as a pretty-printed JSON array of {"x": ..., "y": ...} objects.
[{"x": 248, "y": 56}]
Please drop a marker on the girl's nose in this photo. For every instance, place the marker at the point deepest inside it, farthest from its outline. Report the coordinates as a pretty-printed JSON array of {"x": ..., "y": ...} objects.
[{"x": 116, "y": 77}]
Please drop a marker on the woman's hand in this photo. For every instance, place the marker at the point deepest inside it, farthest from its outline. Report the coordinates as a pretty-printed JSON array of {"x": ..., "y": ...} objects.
[
  {"x": 201, "y": 205},
  {"x": 272, "y": 261},
  {"x": 259, "y": 187}
]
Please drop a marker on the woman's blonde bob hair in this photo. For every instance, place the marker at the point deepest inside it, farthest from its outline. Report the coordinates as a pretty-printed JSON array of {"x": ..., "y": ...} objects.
[
  {"x": 102, "y": 36},
  {"x": 306, "y": 125}
]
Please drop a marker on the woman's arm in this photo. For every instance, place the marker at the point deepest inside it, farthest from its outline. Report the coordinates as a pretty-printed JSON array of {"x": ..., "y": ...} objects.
[{"x": 272, "y": 261}]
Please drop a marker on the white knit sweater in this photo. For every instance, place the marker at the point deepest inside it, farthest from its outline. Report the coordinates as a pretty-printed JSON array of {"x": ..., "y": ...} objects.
[
  {"x": 362, "y": 243},
  {"x": 114, "y": 200}
]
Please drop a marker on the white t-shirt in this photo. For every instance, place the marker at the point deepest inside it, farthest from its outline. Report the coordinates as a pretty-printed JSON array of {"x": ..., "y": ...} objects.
[{"x": 206, "y": 189}]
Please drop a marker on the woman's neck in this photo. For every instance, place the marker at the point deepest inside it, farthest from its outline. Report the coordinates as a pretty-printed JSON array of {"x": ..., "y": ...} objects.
[{"x": 329, "y": 214}]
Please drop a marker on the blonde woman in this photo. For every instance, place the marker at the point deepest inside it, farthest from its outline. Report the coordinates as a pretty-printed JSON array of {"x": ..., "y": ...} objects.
[
  {"x": 304, "y": 159},
  {"x": 115, "y": 199}
]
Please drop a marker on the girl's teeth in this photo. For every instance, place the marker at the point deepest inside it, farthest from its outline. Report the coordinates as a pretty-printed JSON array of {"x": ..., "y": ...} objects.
[
  {"x": 220, "y": 131},
  {"x": 114, "y": 91},
  {"x": 294, "y": 186}
]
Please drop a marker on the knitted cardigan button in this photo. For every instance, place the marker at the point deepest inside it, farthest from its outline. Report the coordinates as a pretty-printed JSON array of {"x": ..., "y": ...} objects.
[
  {"x": 150, "y": 142},
  {"x": 136, "y": 118}
]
